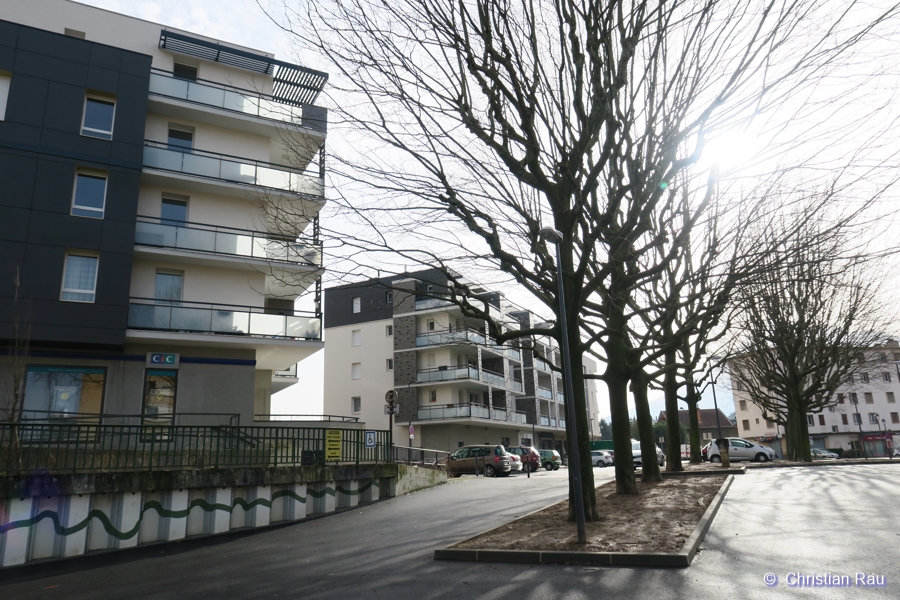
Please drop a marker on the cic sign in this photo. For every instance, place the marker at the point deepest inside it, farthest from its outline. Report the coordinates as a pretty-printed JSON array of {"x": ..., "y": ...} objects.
[{"x": 162, "y": 360}]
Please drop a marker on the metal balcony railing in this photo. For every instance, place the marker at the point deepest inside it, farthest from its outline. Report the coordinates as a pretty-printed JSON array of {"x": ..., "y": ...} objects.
[
  {"x": 453, "y": 411},
  {"x": 426, "y": 303},
  {"x": 517, "y": 386},
  {"x": 225, "y": 319},
  {"x": 492, "y": 378},
  {"x": 210, "y": 93},
  {"x": 460, "y": 336},
  {"x": 200, "y": 237},
  {"x": 560, "y": 397},
  {"x": 514, "y": 353},
  {"x": 446, "y": 374},
  {"x": 541, "y": 365},
  {"x": 234, "y": 169},
  {"x": 545, "y": 393},
  {"x": 545, "y": 421},
  {"x": 519, "y": 417},
  {"x": 562, "y": 423},
  {"x": 498, "y": 414}
]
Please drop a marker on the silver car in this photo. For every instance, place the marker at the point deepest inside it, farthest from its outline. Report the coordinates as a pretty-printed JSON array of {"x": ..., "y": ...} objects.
[
  {"x": 636, "y": 453},
  {"x": 741, "y": 449},
  {"x": 601, "y": 458},
  {"x": 819, "y": 453}
]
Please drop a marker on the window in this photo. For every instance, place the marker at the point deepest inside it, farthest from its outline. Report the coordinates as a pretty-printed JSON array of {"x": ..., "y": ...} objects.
[
  {"x": 743, "y": 404},
  {"x": 873, "y": 418},
  {"x": 356, "y": 337},
  {"x": 834, "y": 429},
  {"x": 895, "y": 417},
  {"x": 5, "y": 79},
  {"x": 840, "y": 398},
  {"x": 429, "y": 288},
  {"x": 182, "y": 71},
  {"x": 432, "y": 395},
  {"x": 169, "y": 287},
  {"x": 356, "y": 371},
  {"x": 830, "y": 409},
  {"x": 79, "y": 278},
  {"x": 55, "y": 391},
  {"x": 844, "y": 419},
  {"x": 897, "y": 356},
  {"x": 504, "y": 441},
  {"x": 89, "y": 195},
  {"x": 869, "y": 398},
  {"x": 173, "y": 211},
  {"x": 740, "y": 386},
  {"x": 746, "y": 424},
  {"x": 431, "y": 325},
  {"x": 389, "y": 364},
  {"x": 853, "y": 399},
  {"x": 757, "y": 421},
  {"x": 770, "y": 424},
  {"x": 159, "y": 396},
  {"x": 809, "y": 420},
  {"x": 181, "y": 137},
  {"x": 357, "y": 304},
  {"x": 864, "y": 377},
  {"x": 856, "y": 419},
  {"x": 99, "y": 113},
  {"x": 355, "y": 404},
  {"x": 822, "y": 420},
  {"x": 890, "y": 398},
  {"x": 431, "y": 361},
  {"x": 850, "y": 378},
  {"x": 882, "y": 357},
  {"x": 388, "y": 330},
  {"x": 707, "y": 435},
  {"x": 388, "y": 297},
  {"x": 886, "y": 377}
]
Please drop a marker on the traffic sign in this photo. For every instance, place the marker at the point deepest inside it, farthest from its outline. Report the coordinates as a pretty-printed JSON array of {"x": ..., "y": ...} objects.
[
  {"x": 391, "y": 409},
  {"x": 411, "y": 430},
  {"x": 390, "y": 396},
  {"x": 333, "y": 444},
  {"x": 370, "y": 439}
]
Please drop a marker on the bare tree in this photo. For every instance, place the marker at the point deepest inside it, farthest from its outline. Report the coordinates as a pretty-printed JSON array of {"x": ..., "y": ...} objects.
[{"x": 17, "y": 363}]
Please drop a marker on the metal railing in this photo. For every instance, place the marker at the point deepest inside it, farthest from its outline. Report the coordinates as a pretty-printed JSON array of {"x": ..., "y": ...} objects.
[
  {"x": 453, "y": 411},
  {"x": 29, "y": 447},
  {"x": 446, "y": 374},
  {"x": 546, "y": 393},
  {"x": 498, "y": 414},
  {"x": 31, "y": 416},
  {"x": 460, "y": 336},
  {"x": 541, "y": 365},
  {"x": 426, "y": 303},
  {"x": 516, "y": 385},
  {"x": 271, "y": 417},
  {"x": 514, "y": 353},
  {"x": 545, "y": 421},
  {"x": 235, "y": 169},
  {"x": 562, "y": 423},
  {"x": 519, "y": 417},
  {"x": 200, "y": 237},
  {"x": 201, "y": 317},
  {"x": 422, "y": 457},
  {"x": 493, "y": 378},
  {"x": 210, "y": 93}
]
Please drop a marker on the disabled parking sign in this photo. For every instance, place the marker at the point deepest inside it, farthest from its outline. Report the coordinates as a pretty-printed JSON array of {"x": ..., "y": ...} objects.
[{"x": 370, "y": 439}]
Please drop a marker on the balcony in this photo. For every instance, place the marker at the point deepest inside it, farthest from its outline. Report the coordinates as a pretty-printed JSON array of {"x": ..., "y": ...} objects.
[
  {"x": 284, "y": 378},
  {"x": 220, "y": 319},
  {"x": 227, "y": 241},
  {"x": 212, "y": 166},
  {"x": 514, "y": 353},
  {"x": 545, "y": 393},
  {"x": 560, "y": 397},
  {"x": 437, "y": 338},
  {"x": 290, "y": 373},
  {"x": 517, "y": 386},
  {"x": 562, "y": 423},
  {"x": 519, "y": 417},
  {"x": 498, "y": 414},
  {"x": 446, "y": 374},
  {"x": 454, "y": 411},
  {"x": 494, "y": 379},
  {"x": 541, "y": 365},
  {"x": 545, "y": 421}
]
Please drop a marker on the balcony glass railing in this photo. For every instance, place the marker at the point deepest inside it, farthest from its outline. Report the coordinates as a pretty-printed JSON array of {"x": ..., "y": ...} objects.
[
  {"x": 541, "y": 364},
  {"x": 552, "y": 422},
  {"x": 517, "y": 386},
  {"x": 560, "y": 397},
  {"x": 426, "y": 303},
  {"x": 164, "y": 83},
  {"x": 197, "y": 317},
  {"x": 545, "y": 393},
  {"x": 162, "y": 233},
  {"x": 446, "y": 374},
  {"x": 290, "y": 372},
  {"x": 519, "y": 417},
  {"x": 491, "y": 378},
  {"x": 453, "y": 411},
  {"x": 514, "y": 353},
  {"x": 498, "y": 414},
  {"x": 562, "y": 423},
  {"x": 463, "y": 336},
  {"x": 545, "y": 421},
  {"x": 211, "y": 165}
]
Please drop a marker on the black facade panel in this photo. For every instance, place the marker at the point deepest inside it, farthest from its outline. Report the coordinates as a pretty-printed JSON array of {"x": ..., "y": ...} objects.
[
  {"x": 129, "y": 153},
  {"x": 7, "y": 57},
  {"x": 103, "y": 80},
  {"x": 122, "y": 196},
  {"x": 9, "y": 34},
  {"x": 54, "y": 185},
  {"x": 338, "y": 304},
  {"x": 118, "y": 236},
  {"x": 27, "y": 100},
  {"x": 55, "y": 229},
  {"x": 65, "y": 106},
  {"x": 75, "y": 143},
  {"x": 13, "y": 225},
  {"x": 106, "y": 57},
  {"x": 17, "y": 178},
  {"x": 51, "y": 68},
  {"x": 54, "y": 45}
]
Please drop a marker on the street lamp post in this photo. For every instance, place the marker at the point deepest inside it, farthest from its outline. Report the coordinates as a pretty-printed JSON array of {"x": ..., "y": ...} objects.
[
  {"x": 862, "y": 445},
  {"x": 555, "y": 237}
]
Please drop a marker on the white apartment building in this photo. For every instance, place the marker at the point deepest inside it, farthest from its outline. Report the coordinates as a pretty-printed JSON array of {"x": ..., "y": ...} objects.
[
  {"x": 205, "y": 280},
  {"x": 454, "y": 386},
  {"x": 865, "y": 409}
]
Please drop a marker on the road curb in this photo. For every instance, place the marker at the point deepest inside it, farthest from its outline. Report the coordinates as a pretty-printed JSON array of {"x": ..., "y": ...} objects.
[
  {"x": 732, "y": 471},
  {"x": 680, "y": 559}
]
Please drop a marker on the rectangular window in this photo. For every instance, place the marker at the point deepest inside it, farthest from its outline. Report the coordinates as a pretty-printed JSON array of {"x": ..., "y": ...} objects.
[
  {"x": 840, "y": 398},
  {"x": 809, "y": 420},
  {"x": 432, "y": 395},
  {"x": 864, "y": 377},
  {"x": 99, "y": 114},
  {"x": 356, "y": 371},
  {"x": 389, "y": 297},
  {"x": 822, "y": 420},
  {"x": 743, "y": 404},
  {"x": 890, "y": 398},
  {"x": 355, "y": 404},
  {"x": 844, "y": 419},
  {"x": 895, "y": 417},
  {"x": 856, "y": 419},
  {"x": 388, "y": 330},
  {"x": 873, "y": 418},
  {"x": 159, "y": 396},
  {"x": 883, "y": 357},
  {"x": 740, "y": 386},
  {"x": 89, "y": 195},
  {"x": 389, "y": 364},
  {"x": 181, "y": 137},
  {"x": 869, "y": 398},
  {"x": 173, "y": 211},
  {"x": 169, "y": 287},
  {"x": 182, "y": 71},
  {"x": 746, "y": 424},
  {"x": 79, "y": 278},
  {"x": 770, "y": 424},
  {"x": 431, "y": 325},
  {"x": 431, "y": 360},
  {"x": 853, "y": 399},
  {"x": 357, "y": 304},
  {"x": 834, "y": 429},
  {"x": 886, "y": 377},
  {"x": 757, "y": 421},
  {"x": 5, "y": 80},
  {"x": 58, "y": 391},
  {"x": 356, "y": 337},
  {"x": 830, "y": 409}
]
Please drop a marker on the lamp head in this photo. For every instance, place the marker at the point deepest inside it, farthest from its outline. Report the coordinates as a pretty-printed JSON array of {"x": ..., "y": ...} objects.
[{"x": 549, "y": 234}]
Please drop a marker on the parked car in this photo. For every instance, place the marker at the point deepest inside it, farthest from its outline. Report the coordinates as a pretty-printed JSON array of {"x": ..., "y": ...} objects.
[
  {"x": 531, "y": 459},
  {"x": 741, "y": 449},
  {"x": 636, "y": 454},
  {"x": 550, "y": 459},
  {"x": 494, "y": 460},
  {"x": 515, "y": 463},
  {"x": 601, "y": 458},
  {"x": 820, "y": 453},
  {"x": 896, "y": 452}
]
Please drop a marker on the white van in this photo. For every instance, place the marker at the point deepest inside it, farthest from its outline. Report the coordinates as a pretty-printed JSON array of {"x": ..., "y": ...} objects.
[{"x": 741, "y": 449}]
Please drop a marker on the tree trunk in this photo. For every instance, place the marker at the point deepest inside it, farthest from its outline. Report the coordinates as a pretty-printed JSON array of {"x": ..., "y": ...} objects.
[
  {"x": 617, "y": 387},
  {"x": 797, "y": 434},
  {"x": 673, "y": 422},
  {"x": 649, "y": 466},
  {"x": 582, "y": 429},
  {"x": 692, "y": 400}
]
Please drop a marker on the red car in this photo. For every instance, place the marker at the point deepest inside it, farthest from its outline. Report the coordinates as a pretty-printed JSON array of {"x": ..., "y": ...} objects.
[{"x": 531, "y": 460}]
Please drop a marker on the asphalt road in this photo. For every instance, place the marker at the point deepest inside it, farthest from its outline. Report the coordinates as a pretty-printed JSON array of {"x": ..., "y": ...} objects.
[{"x": 837, "y": 520}]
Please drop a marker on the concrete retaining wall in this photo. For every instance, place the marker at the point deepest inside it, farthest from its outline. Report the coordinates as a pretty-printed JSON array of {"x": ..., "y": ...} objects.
[
  {"x": 58, "y": 516},
  {"x": 411, "y": 478}
]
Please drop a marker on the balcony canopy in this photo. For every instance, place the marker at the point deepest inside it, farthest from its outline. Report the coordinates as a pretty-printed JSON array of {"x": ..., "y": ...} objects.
[{"x": 293, "y": 84}]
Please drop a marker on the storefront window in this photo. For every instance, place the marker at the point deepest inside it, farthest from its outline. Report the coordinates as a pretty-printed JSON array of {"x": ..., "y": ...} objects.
[
  {"x": 55, "y": 392},
  {"x": 159, "y": 396}
]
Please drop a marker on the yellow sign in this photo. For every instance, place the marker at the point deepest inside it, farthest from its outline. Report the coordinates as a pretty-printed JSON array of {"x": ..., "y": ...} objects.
[{"x": 332, "y": 444}]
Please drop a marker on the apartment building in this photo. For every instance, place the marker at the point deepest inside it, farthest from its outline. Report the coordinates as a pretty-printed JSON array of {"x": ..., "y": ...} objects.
[
  {"x": 864, "y": 409},
  {"x": 139, "y": 169},
  {"x": 454, "y": 385}
]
